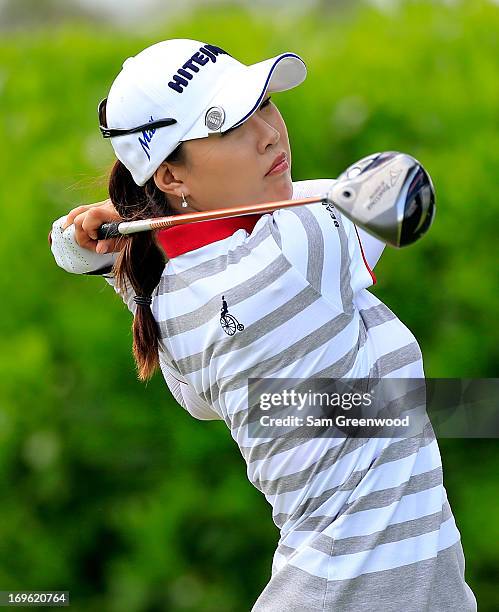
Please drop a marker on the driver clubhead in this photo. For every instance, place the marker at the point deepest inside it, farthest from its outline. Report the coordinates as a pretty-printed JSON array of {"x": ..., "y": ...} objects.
[{"x": 388, "y": 194}]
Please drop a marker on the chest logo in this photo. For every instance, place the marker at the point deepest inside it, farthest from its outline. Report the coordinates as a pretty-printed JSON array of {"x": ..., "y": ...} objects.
[
  {"x": 330, "y": 210},
  {"x": 228, "y": 322}
]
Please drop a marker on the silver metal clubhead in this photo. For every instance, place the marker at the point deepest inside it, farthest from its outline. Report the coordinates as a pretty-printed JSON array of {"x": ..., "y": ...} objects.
[{"x": 388, "y": 194}]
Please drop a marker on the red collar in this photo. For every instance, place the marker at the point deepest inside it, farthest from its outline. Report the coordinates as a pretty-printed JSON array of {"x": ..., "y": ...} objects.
[{"x": 181, "y": 239}]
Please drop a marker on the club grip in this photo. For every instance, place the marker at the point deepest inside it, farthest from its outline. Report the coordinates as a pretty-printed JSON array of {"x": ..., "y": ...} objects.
[{"x": 108, "y": 230}]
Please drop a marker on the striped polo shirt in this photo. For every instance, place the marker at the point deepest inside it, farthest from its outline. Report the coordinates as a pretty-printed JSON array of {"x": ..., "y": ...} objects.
[{"x": 364, "y": 522}]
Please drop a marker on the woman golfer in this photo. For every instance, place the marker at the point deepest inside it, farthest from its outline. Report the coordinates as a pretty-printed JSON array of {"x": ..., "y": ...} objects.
[{"x": 365, "y": 523}]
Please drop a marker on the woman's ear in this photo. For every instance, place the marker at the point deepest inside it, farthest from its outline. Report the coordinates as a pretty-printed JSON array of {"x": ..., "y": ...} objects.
[{"x": 167, "y": 182}]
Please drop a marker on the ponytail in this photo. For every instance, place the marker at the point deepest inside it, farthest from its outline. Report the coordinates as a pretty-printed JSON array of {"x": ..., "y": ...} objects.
[{"x": 141, "y": 262}]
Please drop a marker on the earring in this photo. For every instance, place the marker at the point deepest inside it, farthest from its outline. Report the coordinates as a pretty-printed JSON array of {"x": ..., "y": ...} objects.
[{"x": 184, "y": 201}]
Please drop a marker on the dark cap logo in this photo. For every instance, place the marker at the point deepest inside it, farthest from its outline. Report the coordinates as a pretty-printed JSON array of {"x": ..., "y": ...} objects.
[{"x": 180, "y": 80}]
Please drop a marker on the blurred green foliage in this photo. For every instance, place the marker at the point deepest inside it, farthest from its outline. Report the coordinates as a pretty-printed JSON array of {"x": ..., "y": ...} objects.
[{"x": 108, "y": 488}]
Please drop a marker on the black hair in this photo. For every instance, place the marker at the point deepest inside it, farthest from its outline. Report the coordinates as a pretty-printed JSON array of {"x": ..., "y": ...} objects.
[{"x": 141, "y": 261}]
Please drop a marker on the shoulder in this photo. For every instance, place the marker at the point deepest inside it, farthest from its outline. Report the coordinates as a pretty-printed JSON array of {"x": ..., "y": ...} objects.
[
  {"x": 311, "y": 217},
  {"x": 317, "y": 214},
  {"x": 311, "y": 187}
]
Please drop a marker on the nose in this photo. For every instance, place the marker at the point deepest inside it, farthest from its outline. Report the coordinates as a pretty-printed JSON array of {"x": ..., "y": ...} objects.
[{"x": 268, "y": 135}]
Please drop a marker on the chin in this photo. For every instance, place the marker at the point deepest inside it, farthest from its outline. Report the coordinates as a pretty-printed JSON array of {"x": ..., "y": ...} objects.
[{"x": 283, "y": 190}]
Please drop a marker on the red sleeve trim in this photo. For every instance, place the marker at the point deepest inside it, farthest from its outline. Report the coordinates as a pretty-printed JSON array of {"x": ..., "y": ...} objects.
[{"x": 373, "y": 276}]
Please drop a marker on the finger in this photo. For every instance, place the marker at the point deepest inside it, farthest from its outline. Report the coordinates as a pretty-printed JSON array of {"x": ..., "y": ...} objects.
[
  {"x": 84, "y": 207},
  {"x": 113, "y": 245},
  {"x": 81, "y": 235},
  {"x": 73, "y": 214},
  {"x": 93, "y": 220}
]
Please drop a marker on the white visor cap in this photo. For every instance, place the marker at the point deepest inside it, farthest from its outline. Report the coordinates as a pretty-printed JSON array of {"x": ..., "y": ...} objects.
[{"x": 199, "y": 85}]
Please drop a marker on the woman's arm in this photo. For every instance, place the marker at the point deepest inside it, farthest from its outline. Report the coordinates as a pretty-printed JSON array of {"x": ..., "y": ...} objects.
[
  {"x": 68, "y": 235},
  {"x": 371, "y": 246},
  {"x": 324, "y": 246},
  {"x": 75, "y": 247}
]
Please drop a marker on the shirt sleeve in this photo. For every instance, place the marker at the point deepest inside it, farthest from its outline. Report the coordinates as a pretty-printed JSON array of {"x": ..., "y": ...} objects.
[
  {"x": 186, "y": 396},
  {"x": 371, "y": 246},
  {"x": 323, "y": 245}
]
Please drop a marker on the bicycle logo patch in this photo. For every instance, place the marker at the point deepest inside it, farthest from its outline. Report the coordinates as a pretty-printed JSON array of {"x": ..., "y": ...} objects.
[{"x": 229, "y": 322}]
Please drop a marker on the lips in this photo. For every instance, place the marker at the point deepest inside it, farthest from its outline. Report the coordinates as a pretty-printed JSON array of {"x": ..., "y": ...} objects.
[{"x": 277, "y": 161}]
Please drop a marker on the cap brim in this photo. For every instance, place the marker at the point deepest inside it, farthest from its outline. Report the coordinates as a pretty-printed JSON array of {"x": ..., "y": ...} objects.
[{"x": 245, "y": 89}]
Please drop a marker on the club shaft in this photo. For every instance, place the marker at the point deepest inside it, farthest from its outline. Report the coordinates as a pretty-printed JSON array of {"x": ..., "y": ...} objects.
[{"x": 124, "y": 228}]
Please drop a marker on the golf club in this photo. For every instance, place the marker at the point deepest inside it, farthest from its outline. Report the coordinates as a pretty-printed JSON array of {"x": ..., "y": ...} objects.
[{"x": 388, "y": 194}]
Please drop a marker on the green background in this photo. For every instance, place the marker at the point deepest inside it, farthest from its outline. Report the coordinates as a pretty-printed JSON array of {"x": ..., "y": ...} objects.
[{"x": 108, "y": 488}]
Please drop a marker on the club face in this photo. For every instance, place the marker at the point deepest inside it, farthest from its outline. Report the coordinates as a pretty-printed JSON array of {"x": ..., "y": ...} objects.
[
  {"x": 389, "y": 194},
  {"x": 419, "y": 210}
]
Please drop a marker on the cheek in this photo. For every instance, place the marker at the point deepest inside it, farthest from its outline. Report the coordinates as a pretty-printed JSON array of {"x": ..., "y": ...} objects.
[
  {"x": 225, "y": 174},
  {"x": 240, "y": 158}
]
